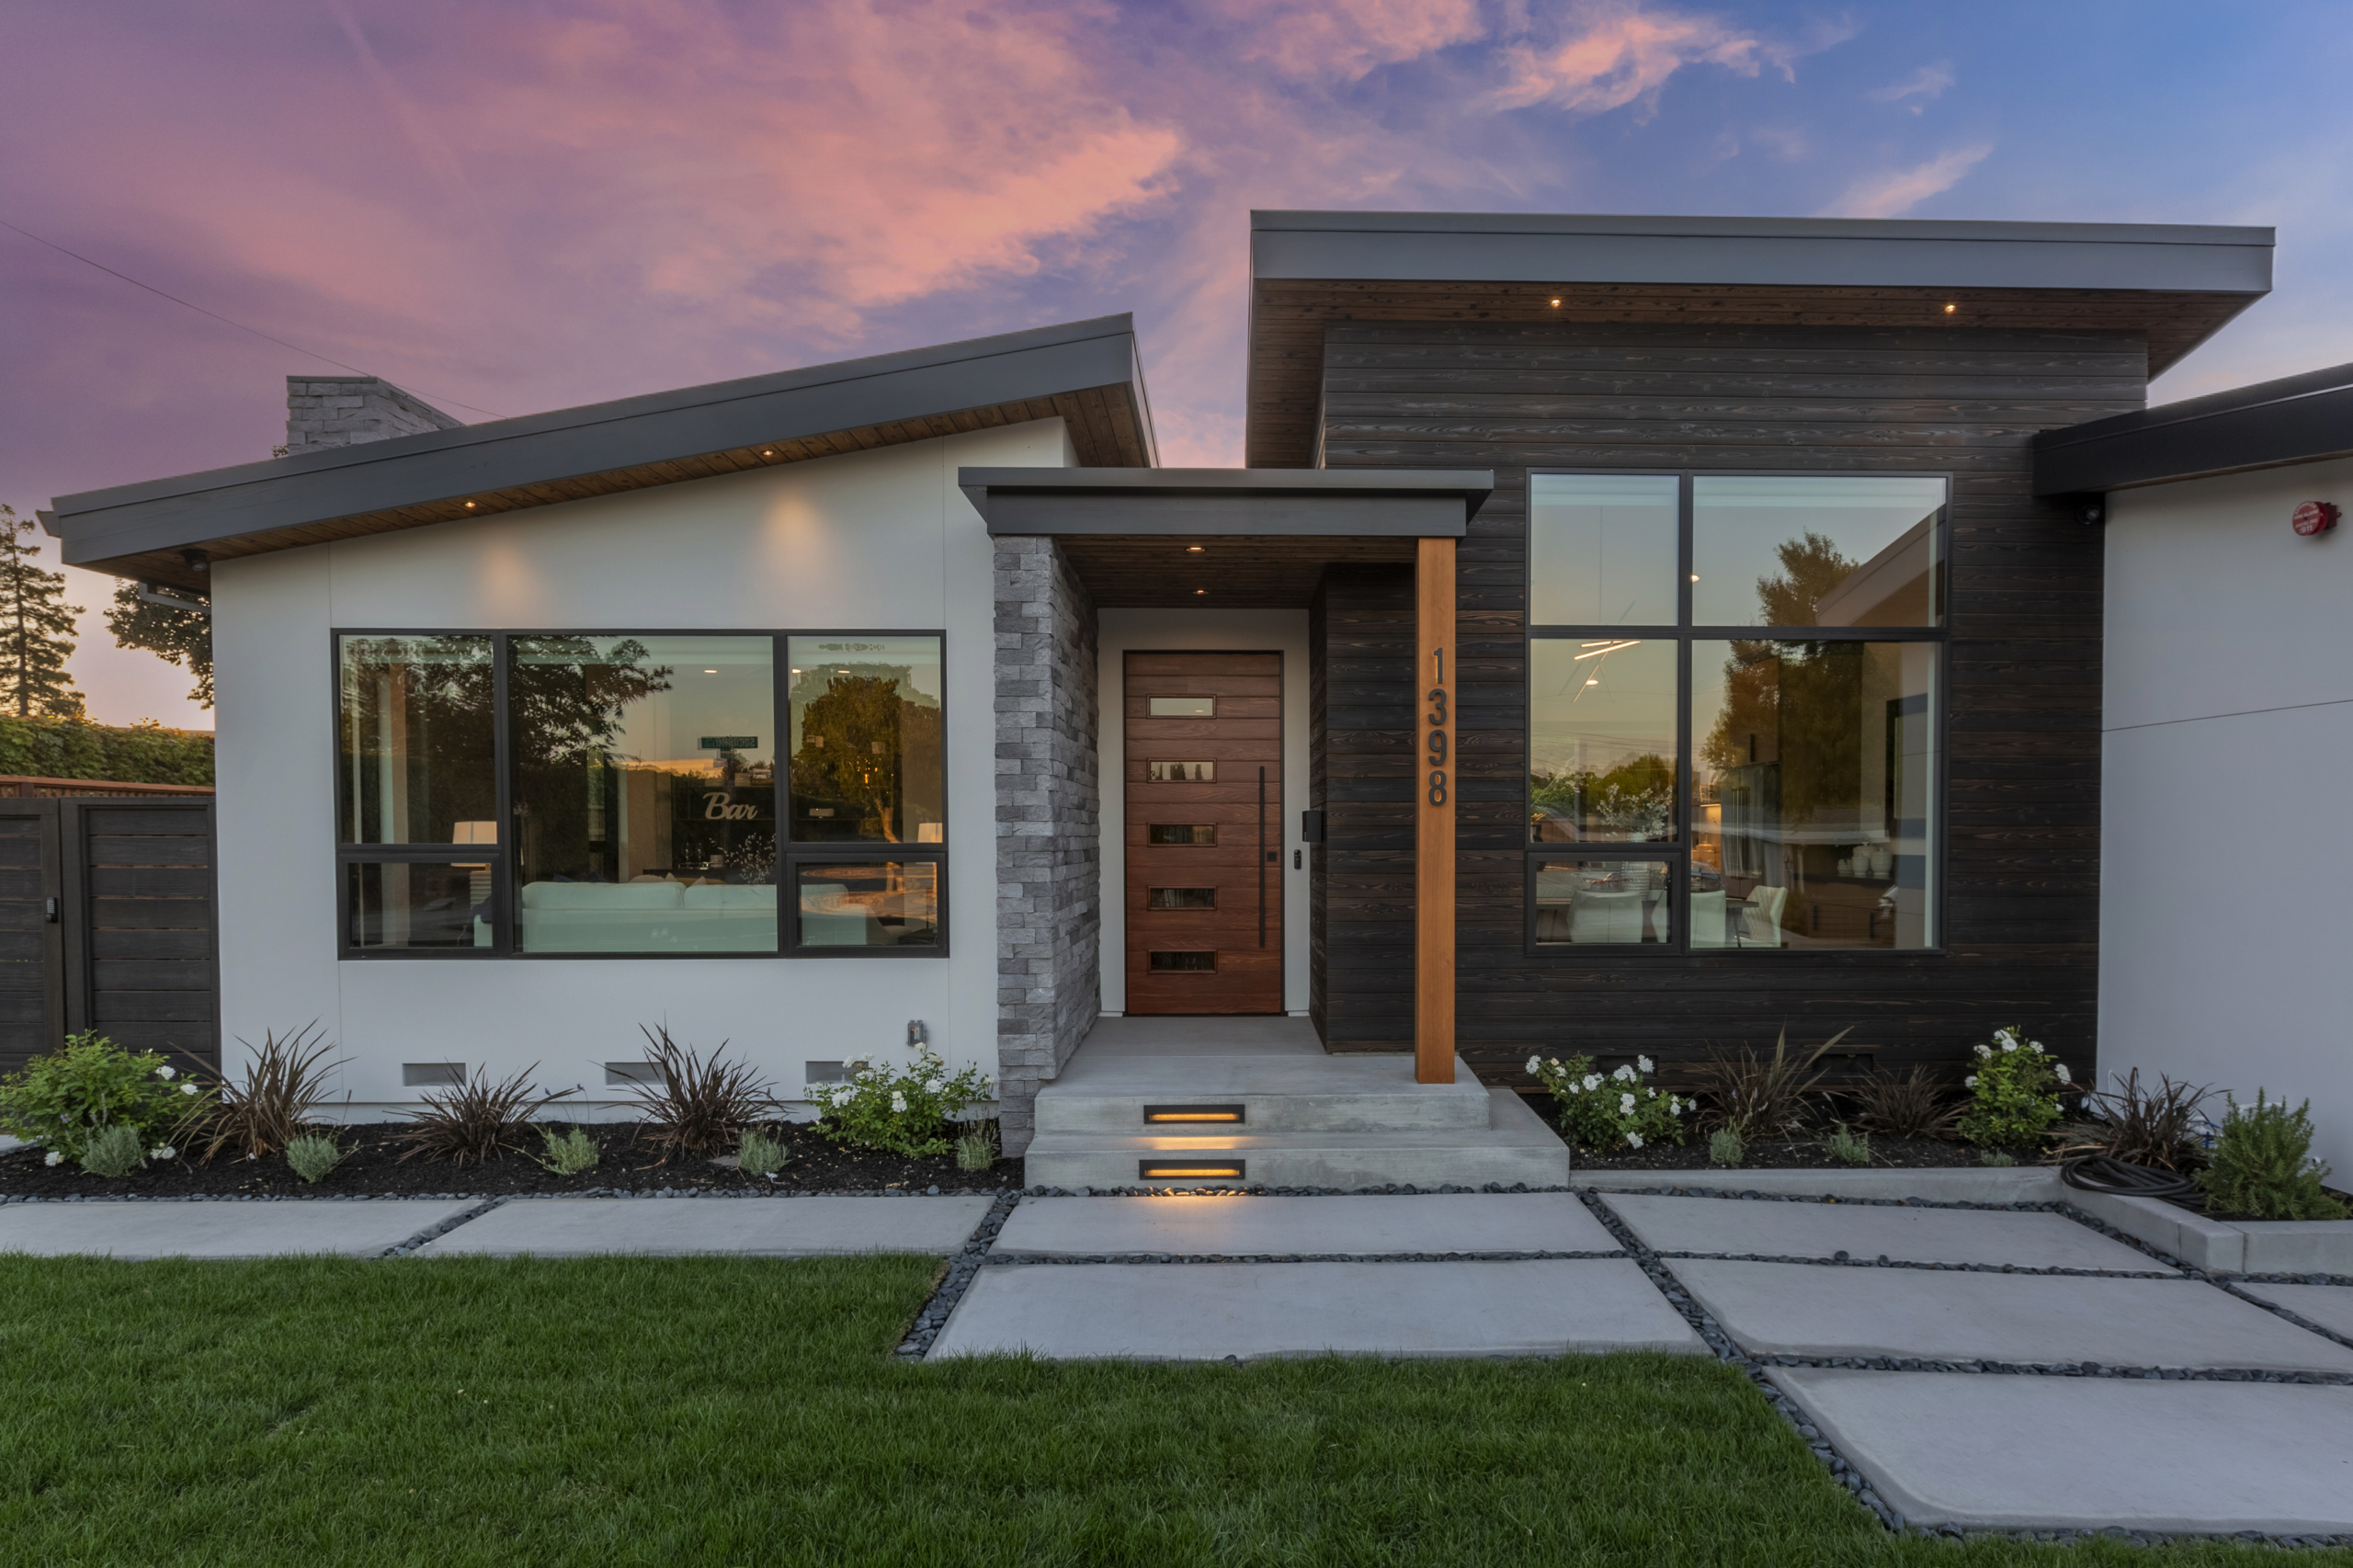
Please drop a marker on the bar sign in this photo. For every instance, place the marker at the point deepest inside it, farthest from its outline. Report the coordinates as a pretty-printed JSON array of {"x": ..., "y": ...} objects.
[{"x": 731, "y": 742}]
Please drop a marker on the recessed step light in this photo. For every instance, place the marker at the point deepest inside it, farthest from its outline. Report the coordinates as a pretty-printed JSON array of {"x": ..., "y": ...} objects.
[
  {"x": 1190, "y": 1170},
  {"x": 1159, "y": 1114}
]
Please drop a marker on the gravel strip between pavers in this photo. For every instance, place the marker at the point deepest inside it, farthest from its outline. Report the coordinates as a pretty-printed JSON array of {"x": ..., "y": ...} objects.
[
  {"x": 432, "y": 1232},
  {"x": 1716, "y": 1340},
  {"x": 1841, "y": 1260},
  {"x": 962, "y": 1269}
]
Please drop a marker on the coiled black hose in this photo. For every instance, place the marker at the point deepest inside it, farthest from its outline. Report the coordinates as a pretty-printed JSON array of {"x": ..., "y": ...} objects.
[{"x": 2099, "y": 1172}]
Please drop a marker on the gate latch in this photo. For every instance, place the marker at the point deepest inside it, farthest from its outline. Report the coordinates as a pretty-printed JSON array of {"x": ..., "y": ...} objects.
[{"x": 53, "y": 912}]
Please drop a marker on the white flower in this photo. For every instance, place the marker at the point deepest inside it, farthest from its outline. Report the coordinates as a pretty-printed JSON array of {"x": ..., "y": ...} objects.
[
  {"x": 1624, "y": 1074},
  {"x": 165, "y": 1073},
  {"x": 898, "y": 1103},
  {"x": 1593, "y": 1080},
  {"x": 55, "y": 1158},
  {"x": 2060, "y": 1068},
  {"x": 162, "y": 1152},
  {"x": 1634, "y": 1138},
  {"x": 1982, "y": 1051},
  {"x": 188, "y": 1088},
  {"x": 1969, "y": 1082},
  {"x": 1674, "y": 1106},
  {"x": 2008, "y": 1045},
  {"x": 1625, "y": 1105},
  {"x": 1643, "y": 1063},
  {"x": 1533, "y": 1063}
]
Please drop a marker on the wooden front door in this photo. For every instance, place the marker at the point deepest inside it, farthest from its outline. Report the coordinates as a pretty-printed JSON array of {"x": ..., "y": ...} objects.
[{"x": 1204, "y": 832}]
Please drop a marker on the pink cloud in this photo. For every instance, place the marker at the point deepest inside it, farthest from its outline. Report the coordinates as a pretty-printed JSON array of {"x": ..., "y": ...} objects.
[
  {"x": 1615, "y": 54},
  {"x": 1349, "y": 38},
  {"x": 1899, "y": 190}
]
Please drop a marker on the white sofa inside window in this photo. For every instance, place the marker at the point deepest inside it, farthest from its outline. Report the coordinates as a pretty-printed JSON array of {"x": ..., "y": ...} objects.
[{"x": 655, "y": 916}]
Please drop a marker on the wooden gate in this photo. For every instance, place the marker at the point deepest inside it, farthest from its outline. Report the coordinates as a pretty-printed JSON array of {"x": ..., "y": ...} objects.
[{"x": 108, "y": 921}]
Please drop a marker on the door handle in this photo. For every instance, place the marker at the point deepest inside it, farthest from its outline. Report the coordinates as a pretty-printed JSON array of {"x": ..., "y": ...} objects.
[{"x": 51, "y": 912}]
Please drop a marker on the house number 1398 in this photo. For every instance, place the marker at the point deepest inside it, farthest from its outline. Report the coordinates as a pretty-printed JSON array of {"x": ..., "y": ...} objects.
[{"x": 1436, "y": 736}]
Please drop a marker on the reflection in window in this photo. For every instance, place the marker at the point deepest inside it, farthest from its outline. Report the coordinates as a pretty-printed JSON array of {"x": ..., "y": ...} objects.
[
  {"x": 404, "y": 906},
  {"x": 1602, "y": 550},
  {"x": 1181, "y": 707},
  {"x": 1181, "y": 833},
  {"x": 644, "y": 793},
  {"x": 1601, "y": 740},
  {"x": 416, "y": 746},
  {"x": 1849, "y": 551},
  {"x": 1180, "y": 772},
  {"x": 1812, "y": 790},
  {"x": 867, "y": 740},
  {"x": 1602, "y": 902},
  {"x": 880, "y": 903}
]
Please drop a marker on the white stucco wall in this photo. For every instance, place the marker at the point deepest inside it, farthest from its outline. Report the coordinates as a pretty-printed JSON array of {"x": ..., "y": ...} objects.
[
  {"x": 2224, "y": 930},
  {"x": 1223, "y": 631},
  {"x": 871, "y": 541}
]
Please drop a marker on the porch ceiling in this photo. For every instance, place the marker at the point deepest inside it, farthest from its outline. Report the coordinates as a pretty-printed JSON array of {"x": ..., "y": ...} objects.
[{"x": 1216, "y": 571}]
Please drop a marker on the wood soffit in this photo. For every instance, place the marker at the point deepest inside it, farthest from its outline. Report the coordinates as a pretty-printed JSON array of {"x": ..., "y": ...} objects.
[
  {"x": 1287, "y": 317},
  {"x": 1105, "y": 424},
  {"x": 1225, "y": 572}
]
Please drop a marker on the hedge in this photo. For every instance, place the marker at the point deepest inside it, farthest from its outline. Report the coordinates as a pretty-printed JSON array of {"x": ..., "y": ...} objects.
[{"x": 65, "y": 748}]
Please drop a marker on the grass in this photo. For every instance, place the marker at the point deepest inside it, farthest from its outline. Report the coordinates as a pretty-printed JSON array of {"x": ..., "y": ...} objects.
[{"x": 724, "y": 1411}]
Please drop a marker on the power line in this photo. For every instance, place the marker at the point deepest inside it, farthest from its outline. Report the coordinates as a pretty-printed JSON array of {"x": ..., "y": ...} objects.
[{"x": 216, "y": 315}]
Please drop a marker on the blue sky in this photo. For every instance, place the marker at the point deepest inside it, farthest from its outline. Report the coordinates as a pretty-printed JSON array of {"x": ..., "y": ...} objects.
[{"x": 548, "y": 202}]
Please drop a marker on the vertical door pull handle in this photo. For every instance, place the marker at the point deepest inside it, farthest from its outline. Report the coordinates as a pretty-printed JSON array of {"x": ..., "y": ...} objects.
[{"x": 51, "y": 912}]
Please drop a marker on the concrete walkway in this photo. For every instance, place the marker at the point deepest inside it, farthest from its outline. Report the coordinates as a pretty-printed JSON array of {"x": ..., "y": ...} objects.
[
  {"x": 220, "y": 1229},
  {"x": 743, "y": 1227}
]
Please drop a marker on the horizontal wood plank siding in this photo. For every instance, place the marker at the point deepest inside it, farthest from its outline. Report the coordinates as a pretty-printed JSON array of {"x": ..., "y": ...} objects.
[{"x": 2022, "y": 820}]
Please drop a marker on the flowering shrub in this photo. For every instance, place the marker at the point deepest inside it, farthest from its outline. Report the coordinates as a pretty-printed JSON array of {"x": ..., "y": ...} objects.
[
  {"x": 66, "y": 1098},
  {"x": 2014, "y": 1093},
  {"x": 905, "y": 1110},
  {"x": 1612, "y": 1111}
]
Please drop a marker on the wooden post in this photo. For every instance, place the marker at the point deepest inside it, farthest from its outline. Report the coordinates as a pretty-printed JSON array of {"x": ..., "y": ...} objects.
[{"x": 1435, "y": 730}]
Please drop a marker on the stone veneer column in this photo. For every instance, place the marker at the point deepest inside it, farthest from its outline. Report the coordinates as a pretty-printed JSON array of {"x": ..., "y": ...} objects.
[{"x": 1049, "y": 916}]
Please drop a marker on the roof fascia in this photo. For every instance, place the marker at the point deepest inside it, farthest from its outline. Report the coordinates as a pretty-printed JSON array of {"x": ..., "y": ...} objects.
[
  {"x": 1436, "y": 502},
  {"x": 2297, "y": 419}
]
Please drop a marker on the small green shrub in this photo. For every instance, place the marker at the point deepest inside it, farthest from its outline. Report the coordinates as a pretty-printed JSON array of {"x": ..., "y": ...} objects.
[
  {"x": 114, "y": 1149},
  {"x": 313, "y": 1155},
  {"x": 758, "y": 1155},
  {"x": 67, "y": 1097},
  {"x": 1997, "y": 1157},
  {"x": 2262, "y": 1166},
  {"x": 569, "y": 1154},
  {"x": 1847, "y": 1147},
  {"x": 1612, "y": 1111},
  {"x": 2013, "y": 1094},
  {"x": 1724, "y": 1147},
  {"x": 905, "y": 1111},
  {"x": 976, "y": 1149}
]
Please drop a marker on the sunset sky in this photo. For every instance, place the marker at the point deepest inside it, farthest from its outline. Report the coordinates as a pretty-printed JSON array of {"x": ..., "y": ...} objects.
[{"x": 522, "y": 206}]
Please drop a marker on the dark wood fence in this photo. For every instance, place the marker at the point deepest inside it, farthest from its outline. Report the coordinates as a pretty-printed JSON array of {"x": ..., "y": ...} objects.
[{"x": 109, "y": 922}]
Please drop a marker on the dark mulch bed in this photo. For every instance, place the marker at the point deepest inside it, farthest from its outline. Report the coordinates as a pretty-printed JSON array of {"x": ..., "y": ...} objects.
[
  {"x": 1801, "y": 1155},
  {"x": 373, "y": 1166}
]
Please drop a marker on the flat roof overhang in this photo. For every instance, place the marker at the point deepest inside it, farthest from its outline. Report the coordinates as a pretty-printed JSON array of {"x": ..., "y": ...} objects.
[
  {"x": 1086, "y": 372},
  {"x": 1225, "y": 538},
  {"x": 2296, "y": 419},
  {"x": 2173, "y": 285}
]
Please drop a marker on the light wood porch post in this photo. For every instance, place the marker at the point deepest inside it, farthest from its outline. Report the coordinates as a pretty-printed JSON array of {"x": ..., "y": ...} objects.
[{"x": 1435, "y": 729}]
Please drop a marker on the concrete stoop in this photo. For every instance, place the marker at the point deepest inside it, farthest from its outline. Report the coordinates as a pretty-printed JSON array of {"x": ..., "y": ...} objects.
[{"x": 1307, "y": 1120}]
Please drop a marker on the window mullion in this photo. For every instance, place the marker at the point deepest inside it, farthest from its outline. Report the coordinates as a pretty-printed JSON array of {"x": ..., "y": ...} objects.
[{"x": 503, "y": 894}]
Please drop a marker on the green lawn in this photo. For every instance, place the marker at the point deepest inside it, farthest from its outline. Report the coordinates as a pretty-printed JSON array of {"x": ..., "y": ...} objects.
[{"x": 726, "y": 1411}]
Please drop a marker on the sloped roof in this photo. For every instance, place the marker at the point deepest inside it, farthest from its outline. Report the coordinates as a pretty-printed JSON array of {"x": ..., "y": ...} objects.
[{"x": 1086, "y": 372}]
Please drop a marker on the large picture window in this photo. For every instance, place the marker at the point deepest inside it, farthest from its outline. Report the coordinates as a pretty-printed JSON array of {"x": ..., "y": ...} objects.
[
  {"x": 1734, "y": 712},
  {"x": 642, "y": 793}
]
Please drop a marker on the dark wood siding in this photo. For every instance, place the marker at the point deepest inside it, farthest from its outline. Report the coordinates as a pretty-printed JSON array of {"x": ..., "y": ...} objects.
[{"x": 2022, "y": 824}]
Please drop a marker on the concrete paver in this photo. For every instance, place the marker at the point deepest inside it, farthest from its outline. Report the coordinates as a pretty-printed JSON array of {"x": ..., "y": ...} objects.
[
  {"x": 1795, "y": 1309},
  {"x": 1867, "y": 1232},
  {"x": 2331, "y": 1306},
  {"x": 1207, "y": 1311},
  {"x": 1364, "y": 1225},
  {"x": 2088, "y": 1453},
  {"x": 750, "y": 1227},
  {"x": 219, "y": 1229}
]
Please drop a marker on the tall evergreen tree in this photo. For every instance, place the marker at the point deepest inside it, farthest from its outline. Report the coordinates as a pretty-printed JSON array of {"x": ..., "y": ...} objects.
[
  {"x": 182, "y": 637},
  {"x": 35, "y": 629}
]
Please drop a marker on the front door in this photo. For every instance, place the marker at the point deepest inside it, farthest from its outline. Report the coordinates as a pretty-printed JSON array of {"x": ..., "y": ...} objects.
[{"x": 1204, "y": 839}]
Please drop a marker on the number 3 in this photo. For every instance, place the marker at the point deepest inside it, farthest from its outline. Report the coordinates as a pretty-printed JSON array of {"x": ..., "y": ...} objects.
[{"x": 1438, "y": 695}]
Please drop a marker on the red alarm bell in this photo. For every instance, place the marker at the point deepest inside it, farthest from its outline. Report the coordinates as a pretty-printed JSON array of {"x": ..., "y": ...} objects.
[{"x": 2313, "y": 517}]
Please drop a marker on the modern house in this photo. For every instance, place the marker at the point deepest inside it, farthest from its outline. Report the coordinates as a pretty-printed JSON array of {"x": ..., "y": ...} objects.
[{"x": 1628, "y": 635}]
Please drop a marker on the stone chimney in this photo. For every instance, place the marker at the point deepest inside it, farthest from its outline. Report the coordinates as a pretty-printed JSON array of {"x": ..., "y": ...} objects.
[{"x": 337, "y": 410}]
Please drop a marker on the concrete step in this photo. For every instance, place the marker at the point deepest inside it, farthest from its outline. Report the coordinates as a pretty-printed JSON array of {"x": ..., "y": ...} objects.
[
  {"x": 1110, "y": 1095},
  {"x": 1511, "y": 1146}
]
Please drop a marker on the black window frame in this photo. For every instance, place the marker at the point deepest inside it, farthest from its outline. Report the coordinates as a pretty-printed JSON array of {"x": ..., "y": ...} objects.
[
  {"x": 1677, "y": 850},
  {"x": 790, "y": 853}
]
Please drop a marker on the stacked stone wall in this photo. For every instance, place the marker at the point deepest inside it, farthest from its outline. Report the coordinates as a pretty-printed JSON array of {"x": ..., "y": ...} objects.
[
  {"x": 1049, "y": 854},
  {"x": 342, "y": 411}
]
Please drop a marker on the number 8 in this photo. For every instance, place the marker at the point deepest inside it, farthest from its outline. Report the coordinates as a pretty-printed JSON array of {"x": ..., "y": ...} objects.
[{"x": 1438, "y": 786}]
